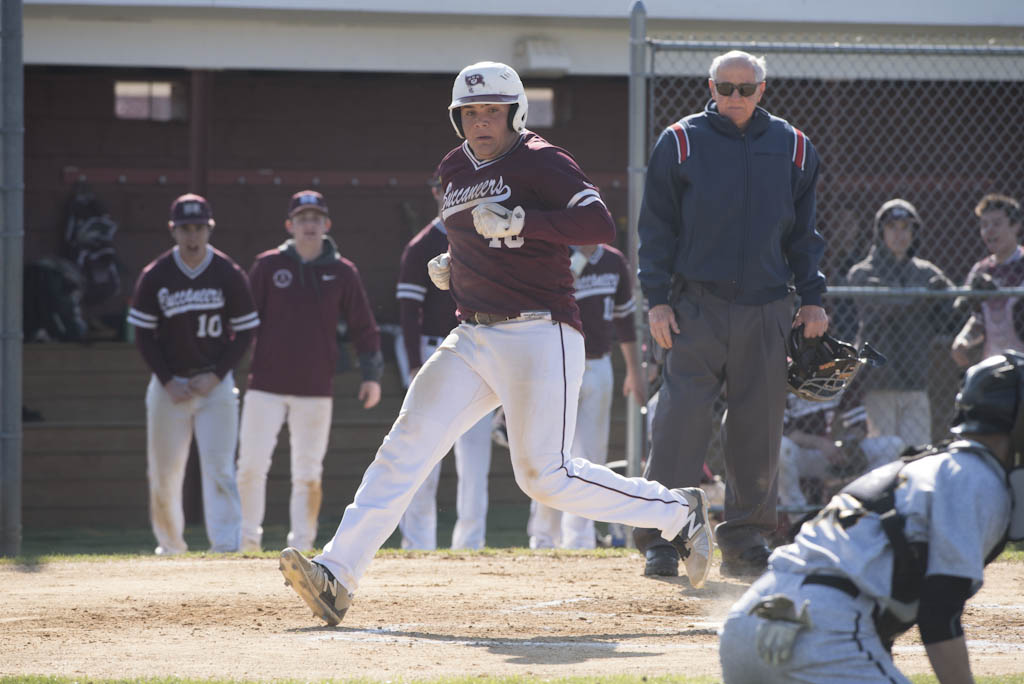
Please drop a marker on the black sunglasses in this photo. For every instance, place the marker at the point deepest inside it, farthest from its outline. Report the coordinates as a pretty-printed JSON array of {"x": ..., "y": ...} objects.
[{"x": 725, "y": 88}]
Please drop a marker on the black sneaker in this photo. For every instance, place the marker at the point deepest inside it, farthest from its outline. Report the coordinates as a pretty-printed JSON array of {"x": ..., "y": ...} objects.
[
  {"x": 751, "y": 563},
  {"x": 662, "y": 561}
]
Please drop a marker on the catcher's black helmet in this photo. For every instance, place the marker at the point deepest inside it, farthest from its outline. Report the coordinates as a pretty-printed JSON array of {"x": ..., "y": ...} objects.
[
  {"x": 820, "y": 368},
  {"x": 992, "y": 398}
]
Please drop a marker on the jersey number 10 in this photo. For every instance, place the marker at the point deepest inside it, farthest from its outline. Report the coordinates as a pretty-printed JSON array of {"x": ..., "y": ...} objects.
[{"x": 209, "y": 326}]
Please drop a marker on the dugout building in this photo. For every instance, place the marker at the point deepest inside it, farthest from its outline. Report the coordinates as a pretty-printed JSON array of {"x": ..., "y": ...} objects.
[{"x": 250, "y": 101}]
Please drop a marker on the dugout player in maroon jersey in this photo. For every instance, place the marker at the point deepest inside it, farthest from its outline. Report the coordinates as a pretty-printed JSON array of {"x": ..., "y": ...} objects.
[
  {"x": 301, "y": 288},
  {"x": 193, "y": 317},
  {"x": 513, "y": 203},
  {"x": 427, "y": 315}
]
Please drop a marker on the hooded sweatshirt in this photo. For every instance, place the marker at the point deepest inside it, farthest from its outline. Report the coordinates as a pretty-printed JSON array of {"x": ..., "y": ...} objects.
[
  {"x": 301, "y": 303},
  {"x": 901, "y": 328}
]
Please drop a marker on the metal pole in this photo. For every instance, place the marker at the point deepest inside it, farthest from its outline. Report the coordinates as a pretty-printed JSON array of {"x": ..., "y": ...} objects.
[
  {"x": 11, "y": 247},
  {"x": 635, "y": 176}
]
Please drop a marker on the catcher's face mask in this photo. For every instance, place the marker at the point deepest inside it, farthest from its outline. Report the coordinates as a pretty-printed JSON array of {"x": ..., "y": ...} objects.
[{"x": 820, "y": 368}]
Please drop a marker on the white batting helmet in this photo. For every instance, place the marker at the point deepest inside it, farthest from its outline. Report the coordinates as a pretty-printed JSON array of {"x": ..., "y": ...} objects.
[{"x": 489, "y": 83}]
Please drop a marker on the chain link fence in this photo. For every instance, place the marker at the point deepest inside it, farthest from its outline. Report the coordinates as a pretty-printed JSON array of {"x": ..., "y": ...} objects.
[{"x": 938, "y": 125}]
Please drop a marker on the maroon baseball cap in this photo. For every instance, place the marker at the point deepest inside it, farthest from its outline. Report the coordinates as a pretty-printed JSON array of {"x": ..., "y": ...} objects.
[
  {"x": 307, "y": 199},
  {"x": 191, "y": 208}
]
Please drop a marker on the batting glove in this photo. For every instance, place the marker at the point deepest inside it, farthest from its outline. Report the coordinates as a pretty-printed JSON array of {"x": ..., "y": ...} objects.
[
  {"x": 495, "y": 221},
  {"x": 439, "y": 268}
]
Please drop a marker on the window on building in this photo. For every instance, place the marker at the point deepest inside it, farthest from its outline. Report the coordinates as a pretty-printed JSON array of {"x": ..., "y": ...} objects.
[
  {"x": 542, "y": 107},
  {"x": 149, "y": 100}
]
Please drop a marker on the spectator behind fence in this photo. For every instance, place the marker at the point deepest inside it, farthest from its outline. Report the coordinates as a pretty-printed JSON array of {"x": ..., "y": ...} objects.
[
  {"x": 901, "y": 328},
  {"x": 727, "y": 222},
  {"x": 996, "y": 323}
]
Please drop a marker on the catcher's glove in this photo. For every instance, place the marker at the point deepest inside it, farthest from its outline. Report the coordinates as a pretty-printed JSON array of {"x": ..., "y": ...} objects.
[{"x": 820, "y": 368}]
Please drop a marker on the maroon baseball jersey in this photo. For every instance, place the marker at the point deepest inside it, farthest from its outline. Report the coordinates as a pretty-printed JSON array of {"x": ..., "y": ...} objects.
[
  {"x": 190, "y": 321},
  {"x": 300, "y": 305},
  {"x": 529, "y": 272},
  {"x": 604, "y": 293},
  {"x": 423, "y": 309}
]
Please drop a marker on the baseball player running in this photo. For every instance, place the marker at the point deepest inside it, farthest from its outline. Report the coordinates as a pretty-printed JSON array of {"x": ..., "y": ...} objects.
[
  {"x": 906, "y": 543},
  {"x": 193, "y": 317},
  {"x": 512, "y": 204},
  {"x": 302, "y": 288},
  {"x": 427, "y": 315},
  {"x": 605, "y": 297}
]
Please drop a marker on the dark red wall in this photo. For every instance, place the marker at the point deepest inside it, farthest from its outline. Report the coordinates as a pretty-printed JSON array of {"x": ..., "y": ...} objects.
[{"x": 388, "y": 131}]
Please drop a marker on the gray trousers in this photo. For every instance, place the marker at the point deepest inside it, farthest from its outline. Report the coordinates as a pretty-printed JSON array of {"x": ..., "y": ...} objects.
[{"x": 743, "y": 349}]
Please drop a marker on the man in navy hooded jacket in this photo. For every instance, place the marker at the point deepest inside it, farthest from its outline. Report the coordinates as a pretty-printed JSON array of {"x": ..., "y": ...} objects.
[{"x": 726, "y": 234}]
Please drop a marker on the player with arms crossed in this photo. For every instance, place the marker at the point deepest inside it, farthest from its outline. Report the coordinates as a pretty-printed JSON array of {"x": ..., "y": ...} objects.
[
  {"x": 513, "y": 203},
  {"x": 193, "y": 317}
]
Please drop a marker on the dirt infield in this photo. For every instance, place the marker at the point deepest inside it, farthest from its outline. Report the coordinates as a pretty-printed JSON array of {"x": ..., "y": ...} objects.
[{"x": 418, "y": 616}]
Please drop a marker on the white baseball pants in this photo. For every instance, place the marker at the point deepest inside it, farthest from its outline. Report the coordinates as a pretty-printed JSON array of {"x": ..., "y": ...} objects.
[
  {"x": 534, "y": 369},
  {"x": 213, "y": 420},
  {"x": 472, "y": 464},
  {"x": 309, "y": 426},
  {"x": 904, "y": 413},
  {"x": 549, "y": 527}
]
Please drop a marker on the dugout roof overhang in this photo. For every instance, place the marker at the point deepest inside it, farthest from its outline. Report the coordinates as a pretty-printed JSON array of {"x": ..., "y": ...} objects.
[{"x": 589, "y": 37}]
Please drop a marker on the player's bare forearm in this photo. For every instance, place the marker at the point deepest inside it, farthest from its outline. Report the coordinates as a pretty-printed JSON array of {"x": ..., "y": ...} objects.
[
  {"x": 633, "y": 384},
  {"x": 950, "y": 661}
]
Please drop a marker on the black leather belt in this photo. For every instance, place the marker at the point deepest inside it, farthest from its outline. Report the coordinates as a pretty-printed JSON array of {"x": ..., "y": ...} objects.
[{"x": 841, "y": 583}]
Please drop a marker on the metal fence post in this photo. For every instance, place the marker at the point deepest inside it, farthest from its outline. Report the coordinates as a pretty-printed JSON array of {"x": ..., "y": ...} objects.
[
  {"x": 11, "y": 240},
  {"x": 637, "y": 162}
]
